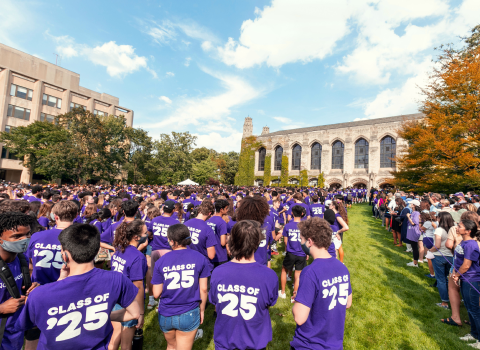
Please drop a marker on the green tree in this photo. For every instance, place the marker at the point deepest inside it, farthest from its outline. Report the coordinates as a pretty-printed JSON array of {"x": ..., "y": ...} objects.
[
  {"x": 229, "y": 167},
  {"x": 172, "y": 161},
  {"x": 204, "y": 170},
  {"x": 202, "y": 153}
]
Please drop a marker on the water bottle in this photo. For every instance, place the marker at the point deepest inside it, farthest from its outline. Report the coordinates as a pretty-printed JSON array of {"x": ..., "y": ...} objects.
[{"x": 137, "y": 343}]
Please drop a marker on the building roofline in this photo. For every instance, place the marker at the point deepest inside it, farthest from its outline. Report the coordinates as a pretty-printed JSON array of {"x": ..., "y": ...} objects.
[{"x": 347, "y": 124}]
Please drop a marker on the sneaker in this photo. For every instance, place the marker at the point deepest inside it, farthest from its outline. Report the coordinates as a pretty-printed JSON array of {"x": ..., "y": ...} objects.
[
  {"x": 412, "y": 264},
  {"x": 282, "y": 295},
  {"x": 467, "y": 337},
  {"x": 152, "y": 304},
  {"x": 475, "y": 345},
  {"x": 274, "y": 252},
  {"x": 420, "y": 261},
  {"x": 446, "y": 307},
  {"x": 199, "y": 334},
  {"x": 429, "y": 275},
  {"x": 284, "y": 253},
  {"x": 289, "y": 278},
  {"x": 408, "y": 250}
]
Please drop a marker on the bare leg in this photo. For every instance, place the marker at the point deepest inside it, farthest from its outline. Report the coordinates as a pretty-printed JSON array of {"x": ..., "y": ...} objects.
[
  {"x": 297, "y": 281},
  {"x": 454, "y": 296},
  {"x": 127, "y": 337},
  {"x": 283, "y": 279},
  {"x": 171, "y": 339},
  {"x": 430, "y": 267},
  {"x": 394, "y": 234},
  {"x": 421, "y": 250},
  {"x": 116, "y": 336},
  {"x": 185, "y": 340},
  {"x": 31, "y": 344},
  {"x": 340, "y": 253},
  {"x": 149, "y": 275}
]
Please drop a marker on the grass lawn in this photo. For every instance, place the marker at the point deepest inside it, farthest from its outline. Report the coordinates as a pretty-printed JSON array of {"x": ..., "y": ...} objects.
[{"x": 393, "y": 305}]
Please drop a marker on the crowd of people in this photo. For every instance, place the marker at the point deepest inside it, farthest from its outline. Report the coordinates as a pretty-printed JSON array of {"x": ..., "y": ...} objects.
[
  {"x": 92, "y": 259},
  {"x": 443, "y": 231}
]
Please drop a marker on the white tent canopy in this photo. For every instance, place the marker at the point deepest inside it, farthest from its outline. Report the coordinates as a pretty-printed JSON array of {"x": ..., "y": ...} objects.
[{"x": 187, "y": 182}]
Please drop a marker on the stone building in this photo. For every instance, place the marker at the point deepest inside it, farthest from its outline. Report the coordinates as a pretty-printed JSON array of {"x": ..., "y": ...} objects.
[
  {"x": 358, "y": 153},
  {"x": 32, "y": 89}
]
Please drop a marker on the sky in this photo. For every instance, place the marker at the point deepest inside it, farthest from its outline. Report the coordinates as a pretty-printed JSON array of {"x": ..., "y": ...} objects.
[{"x": 203, "y": 66}]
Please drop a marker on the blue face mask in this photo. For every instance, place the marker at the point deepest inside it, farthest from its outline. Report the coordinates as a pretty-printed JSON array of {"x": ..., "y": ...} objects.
[
  {"x": 16, "y": 246},
  {"x": 52, "y": 216},
  {"x": 142, "y": 239},
  {"x": 306, "y": 249}
]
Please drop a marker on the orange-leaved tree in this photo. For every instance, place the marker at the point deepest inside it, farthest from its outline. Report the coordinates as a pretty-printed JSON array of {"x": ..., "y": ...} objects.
[{"x": 443, "y": 152}]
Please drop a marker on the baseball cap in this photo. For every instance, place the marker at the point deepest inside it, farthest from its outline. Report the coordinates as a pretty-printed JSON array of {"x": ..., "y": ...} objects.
[
  {"x": 169, "y": 205},
  {"x": 328, "y": 202},
  {"x": 415, "y": 202}
]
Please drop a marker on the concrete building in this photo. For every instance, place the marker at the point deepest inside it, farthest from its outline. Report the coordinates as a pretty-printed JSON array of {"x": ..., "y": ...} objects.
[
  {"x": 349, "y": 154},
  {"x": 32, "y": 89}
]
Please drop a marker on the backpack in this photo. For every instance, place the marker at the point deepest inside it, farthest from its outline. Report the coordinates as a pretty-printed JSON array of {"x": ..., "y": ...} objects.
[{"x": 9, "y": 281}]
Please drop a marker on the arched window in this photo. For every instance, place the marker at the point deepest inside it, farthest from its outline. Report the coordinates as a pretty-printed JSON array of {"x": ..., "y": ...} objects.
[
  {"x": 337, "y": 155},
  {"x": 296, "y": 157},
  {"x": 388, "y": 149},
  {"x": 316, "y": 157},
  {"x": 361, "y": 154},
  {"x": 261, "y": 159},
  {"x": 278, "y": 158}
]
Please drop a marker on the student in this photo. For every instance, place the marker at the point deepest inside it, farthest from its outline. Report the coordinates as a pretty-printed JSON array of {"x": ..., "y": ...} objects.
[
  {"x": 242, "y": 291},
  {"x": 295, "y": 257},
  {"x": 15, "y": 231},
  {"x": 203, "y": 237},
  {"x": 158, "y": 227},
  {"x": 130, "y": 208},
  {"x": 320, "y": 308},
  {"x": 44, "y": 248},
  {"x": 43, "y": 216},
  {"x": 83, "y": 296},
  {"x": 219, "y": 227},
  {"x": 130, "y": 262},
  {"x": 317, "y": 209},
  {"x": 466, "y": 267},
  {"x": 298, "y": 200},
  {"x": 180, "y": 281}
]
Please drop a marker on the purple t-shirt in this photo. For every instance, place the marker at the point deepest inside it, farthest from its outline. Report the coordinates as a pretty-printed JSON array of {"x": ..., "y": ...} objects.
[
  {"x": 44, "y": 251},
  {"x": 159, "y": 227},
  {"x": 261, "y": 254},
  {"x": 131, "y": 263},
  {"x": 468, "y": 250},
  {"x": 12, "y": 338},
  {"x": 317, "y": 210},
  {"x": 97, "y": 224},
  {"x": 43, "y": 221},
  {"x": 307, "y": 210},
  {"x": 242, "y": 294},
  {"x": 230, "y": 225},
  {"x": 74, "y": 313},
  {"x": 324, "y": 288},
  {"x": 106, "y": 224},
  {"x": 180, "y": 271},
  {"x": 294, "y": 244},
  {"x": 108, "y": 235},
  {"x": 219, "y": 227},
  {"x": 203, "y": 237}
]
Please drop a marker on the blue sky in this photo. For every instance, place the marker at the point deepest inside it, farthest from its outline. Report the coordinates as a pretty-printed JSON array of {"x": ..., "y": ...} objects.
[{"x": 204, "y": 66}]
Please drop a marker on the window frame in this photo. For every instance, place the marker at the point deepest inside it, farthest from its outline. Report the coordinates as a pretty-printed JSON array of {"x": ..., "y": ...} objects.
[
  {"x": 14, "y": 89},
  {"x": 296, "y": 157},
  {"x": 386, "y": 159},
  {"x": 340, "y": 157},
  {"x": 277, "y": 165},
  {"x": 11, "y": 112},
  {"x": 366, "y": 148},
  {"x": 46, "y": 101},
  {"x": 262, "y": 152},
  {"x": 313, "y": 157}
]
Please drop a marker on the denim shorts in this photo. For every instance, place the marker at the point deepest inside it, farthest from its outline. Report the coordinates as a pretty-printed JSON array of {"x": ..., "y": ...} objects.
[
  {"x": 187, "y": 322},
  {"x": 128, "y": 324}
]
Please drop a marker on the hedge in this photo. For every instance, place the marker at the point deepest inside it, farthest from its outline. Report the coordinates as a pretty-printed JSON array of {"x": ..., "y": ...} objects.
[
  {"x": 267, "y": 173},
  {"x": 246, "y": 162},
  {"x": 284, "y": 171}
]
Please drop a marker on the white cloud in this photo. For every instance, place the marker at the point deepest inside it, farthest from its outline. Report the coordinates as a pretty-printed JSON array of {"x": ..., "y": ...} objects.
[
  {"x": 187, "y": 61},
  {"x": 207, "y": 45},
  {"x": 261, "y": 112},
  {"x": 289, "y": 31},
  {"x": 214, "y": 140},
  {"x": 166, "y": 31},
  {"x": 283, "y": 120},
  {"x": 162, "y": 34},
  {"x": 119, "y": 60},
  {"x": 170, "y": 74},
  {"x": 15, "y": 19},
  {"x": 165, "y": 99}
]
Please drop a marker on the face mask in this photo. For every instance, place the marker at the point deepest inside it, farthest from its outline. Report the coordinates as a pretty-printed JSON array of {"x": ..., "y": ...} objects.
[
  {"x": 306, "y": 249},
  {"x": 142, "y": 239},
  {"x": 52, "y": 216},
  {"x": 16, "y": 246}
]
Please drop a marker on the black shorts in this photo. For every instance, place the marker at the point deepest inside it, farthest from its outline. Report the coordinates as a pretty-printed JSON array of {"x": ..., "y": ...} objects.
[
  {"x": 217, "y": 264},
  {"x": 32, "y": 334},
  {"x": 292, "y": 260},
  {"x": 349, "y": 201}
]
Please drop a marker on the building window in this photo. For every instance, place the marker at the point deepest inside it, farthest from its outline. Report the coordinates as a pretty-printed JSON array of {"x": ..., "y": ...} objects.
[
  {"x": 278, "y": 158},
  {"x": 261, "y": 159},
  {"x": 22, "y": 92},
  {"x": 337, "y": 155},
  {"x": 52, "y": 101},
  {"x": 316, "y": 156},
  {"x": 18, "y": 112},
  {"x": 8, "y": 155},
  {"x": 387, "y": 152},
  {"x": 47, "y": 118},
  {"x": 76, "y": 105},
  {"x": 296, "y": 157},
  {"x": 361, "y": 154},
  {"x": 100, "y": 113}
]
